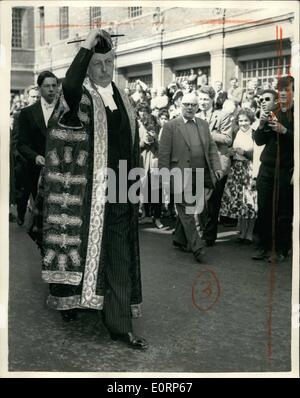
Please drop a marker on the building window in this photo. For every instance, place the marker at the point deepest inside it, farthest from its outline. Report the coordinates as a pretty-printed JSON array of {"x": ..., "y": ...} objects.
[
  {"x": 147, "y": 79},
  {"x": 64, "y": 22},
  {"x": 265, "y": 69},
  {"x": 17, "y": 14},
  {"x": 42, "y": 26},
  {"x": 134, "y": 12},
  {"x": 95, "y": 17}
]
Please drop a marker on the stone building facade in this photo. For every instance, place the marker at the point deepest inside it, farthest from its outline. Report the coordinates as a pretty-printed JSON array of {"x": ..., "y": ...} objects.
[
  {"x": 162, "y": 44},
  {"x": 23, "y": 48}
]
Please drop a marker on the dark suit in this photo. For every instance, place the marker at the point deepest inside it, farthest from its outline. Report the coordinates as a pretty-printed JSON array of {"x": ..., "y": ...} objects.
[
  {"x": 220, "y": 98},
  {"x": 22, "y": 180},
  {"x": 175, "y": 152},
  {"x": 274, "y": 185},
  {"x": 174, "y": 148},
  {"x": 32, "y": 140},
  {"x": 220, "y": 126}
]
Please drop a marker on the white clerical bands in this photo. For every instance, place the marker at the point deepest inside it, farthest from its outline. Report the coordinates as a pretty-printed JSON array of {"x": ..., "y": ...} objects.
[{"x": 107, "y": 96}]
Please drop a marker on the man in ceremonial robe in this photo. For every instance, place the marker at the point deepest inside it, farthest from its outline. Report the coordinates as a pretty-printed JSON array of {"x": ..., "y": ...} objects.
[{"x": 90, "y": 246}]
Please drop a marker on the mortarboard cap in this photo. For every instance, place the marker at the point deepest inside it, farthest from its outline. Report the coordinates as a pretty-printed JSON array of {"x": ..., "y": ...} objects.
[{"x": 104, "y": 45}]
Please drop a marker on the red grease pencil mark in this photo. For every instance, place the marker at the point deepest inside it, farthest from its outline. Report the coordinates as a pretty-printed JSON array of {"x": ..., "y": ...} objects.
[
  {"x": 206, "y": 290},
  {"x": 106, "y": 24}
]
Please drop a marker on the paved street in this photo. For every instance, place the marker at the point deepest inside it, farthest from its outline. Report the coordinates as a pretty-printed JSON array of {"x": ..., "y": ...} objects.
[{"x": 211, "y": 317}]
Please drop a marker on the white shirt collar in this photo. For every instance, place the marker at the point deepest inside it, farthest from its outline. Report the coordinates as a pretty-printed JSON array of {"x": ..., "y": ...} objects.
[
  {"x": 46, "y": 105},
  {"x": 47, "y": 109},
  {"x": 186, "y": 120}
]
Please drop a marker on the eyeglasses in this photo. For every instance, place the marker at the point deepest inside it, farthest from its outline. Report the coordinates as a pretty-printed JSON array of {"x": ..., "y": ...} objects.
[
  {"x": 189, "y": 104},
  {"x": 267, "y": 99}
]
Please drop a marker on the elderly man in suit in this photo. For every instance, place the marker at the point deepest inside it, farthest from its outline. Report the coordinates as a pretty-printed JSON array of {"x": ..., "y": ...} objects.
[
  {"x": 32, "y": 125},
  {"x": 186, "y": 143},
  {"x": 220, "y": 127}
]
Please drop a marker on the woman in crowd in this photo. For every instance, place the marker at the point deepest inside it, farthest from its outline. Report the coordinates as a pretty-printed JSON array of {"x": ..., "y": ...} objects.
[
  {"x": 175, "y": 107},
  {"x": 148, "y": 129},
  {"x": 139, "y": 94},
  {"x": 167, "y": 202},
  {"x": 239, "y": 199}
]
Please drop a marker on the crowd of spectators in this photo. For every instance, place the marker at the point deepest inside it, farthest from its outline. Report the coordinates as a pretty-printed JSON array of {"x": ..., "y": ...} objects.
[{"x": 156, "y": 106}]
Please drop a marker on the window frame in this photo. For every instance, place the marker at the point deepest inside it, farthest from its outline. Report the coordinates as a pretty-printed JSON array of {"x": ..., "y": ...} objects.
[
  {"x": 42, "y": 25},
  {"x": 94, "y": 18},
  {"x": 264, "y": 69},
  {"x": 16, "y": 38},
  {"x": 63, "y": 23},
  {"x": 134, "y": 12}
]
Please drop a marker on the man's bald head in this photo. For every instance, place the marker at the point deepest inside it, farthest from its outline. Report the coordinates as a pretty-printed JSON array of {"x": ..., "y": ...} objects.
[{"x": 189, "y": 105}]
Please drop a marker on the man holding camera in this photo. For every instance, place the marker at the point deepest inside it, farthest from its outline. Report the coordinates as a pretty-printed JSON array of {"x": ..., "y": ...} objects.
[{"x": 274, "y": 186}]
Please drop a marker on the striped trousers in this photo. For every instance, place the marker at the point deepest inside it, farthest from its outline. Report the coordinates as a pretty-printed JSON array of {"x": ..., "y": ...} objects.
[
  {"x": 118, "y": 258},
  {"x": 117, "y": 261}
]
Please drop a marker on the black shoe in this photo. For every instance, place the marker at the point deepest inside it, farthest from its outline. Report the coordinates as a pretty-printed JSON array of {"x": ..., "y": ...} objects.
[
  {"x": 209, "y": 242},
  {"x": 20, "y": 221},
  {"x": 260, "y": 254},
  {"x": 69, "y": 315},
  {"x": 199, "y": 255},
  {"x": 138, "y": 343}
]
